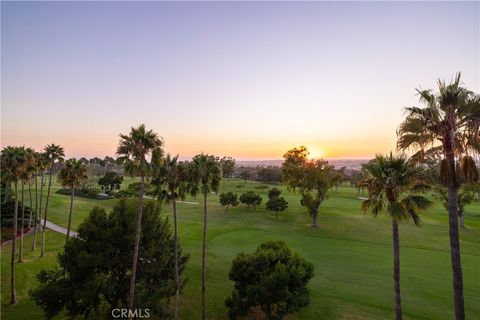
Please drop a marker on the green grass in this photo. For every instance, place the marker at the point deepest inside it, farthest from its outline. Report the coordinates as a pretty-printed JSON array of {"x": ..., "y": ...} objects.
[{"x": 352, "y": 254}]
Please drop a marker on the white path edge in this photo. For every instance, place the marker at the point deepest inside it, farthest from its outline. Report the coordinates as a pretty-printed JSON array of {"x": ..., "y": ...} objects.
[{"x": 55, "y": 227}]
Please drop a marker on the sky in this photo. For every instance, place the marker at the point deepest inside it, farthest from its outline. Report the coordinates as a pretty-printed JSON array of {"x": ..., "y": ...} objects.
[{"x": 248, "y": 80}]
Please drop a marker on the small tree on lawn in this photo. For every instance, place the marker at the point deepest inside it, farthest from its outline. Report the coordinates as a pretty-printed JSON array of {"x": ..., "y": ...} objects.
[
  {"x": 272, "y": 278},
  {"x": 313, "y": 178},
  {"x": 228, "y": 199},
  {"x": 276, "y": 203},
  {"x": 251, "y": 199}
]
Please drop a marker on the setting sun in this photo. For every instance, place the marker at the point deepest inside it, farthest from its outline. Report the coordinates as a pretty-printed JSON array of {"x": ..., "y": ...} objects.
[{"x": 315, "y": 153}]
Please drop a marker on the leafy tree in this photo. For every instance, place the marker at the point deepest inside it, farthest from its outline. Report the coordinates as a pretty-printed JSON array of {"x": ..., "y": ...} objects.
[
  {"x": 228, "y": 166},
  {"x": 14, "y": 160},
  {"x": 245, "y": 174},
  {"x": 94, "y": 268},
  {"x": 134, "y": 152},
  {"x": 392, "y": 186},
  {"x": 72, "y": 175},
  {"x": 171, "y": 181},
  {"x": 110, "y": 181},
  {"x": 448, "y": 126},
  {"x": 205, "y": 176},
  {"x": 274, "y": 192},
  {"x": 53, "y": 153},
  {"x": 272, "y": 278},
  {"x": 276, "y": 203},
  {"x": 270, "y": 174},
  {"x": 313, "y": 178},
  {"x": 228, "y": 199},
  {"x": 251, "y": 199}
]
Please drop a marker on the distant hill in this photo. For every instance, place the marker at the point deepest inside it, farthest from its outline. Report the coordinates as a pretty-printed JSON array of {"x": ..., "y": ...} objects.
[{"x": 351, "y": 164}]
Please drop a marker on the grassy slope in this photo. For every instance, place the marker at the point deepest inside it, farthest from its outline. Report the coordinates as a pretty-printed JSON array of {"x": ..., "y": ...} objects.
[{"x": 352, "y": 255}]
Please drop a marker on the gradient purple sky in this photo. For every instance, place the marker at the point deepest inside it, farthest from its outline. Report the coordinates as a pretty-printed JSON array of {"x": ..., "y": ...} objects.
[{"x": 249, "y": 80}]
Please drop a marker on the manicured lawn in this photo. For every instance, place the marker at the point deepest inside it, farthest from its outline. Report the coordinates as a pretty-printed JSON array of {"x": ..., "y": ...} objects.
[{"x": 351, "y": 252}]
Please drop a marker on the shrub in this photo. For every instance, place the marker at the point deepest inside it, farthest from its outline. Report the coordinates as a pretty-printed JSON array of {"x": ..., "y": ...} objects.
[
  {"x": 251, "y": 199},
  {"x": 228, "y": 199},
  {"x": 273, "y": 278}
]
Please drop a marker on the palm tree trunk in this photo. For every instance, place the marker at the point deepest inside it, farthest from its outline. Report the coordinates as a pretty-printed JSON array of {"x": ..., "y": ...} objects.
[
  {"x": 40, "y": 204},
  {"x": 20, "y": 255},
  {"x": 35, "y": 224},
  {"x": 42, "y": 254},
  {"x": 5, "y": 196},
  {"x": 31, "y": 203},
  {"x": 13, "y": 293},
  {"x": 396, "y": 269},
  {"x": 454, "y": 238},
  {"x": 72, "y": 195},
  {"x": 136, "y": 248},
  {"x": 177, "y": 278},
  {"x": 204, "y": 249}
]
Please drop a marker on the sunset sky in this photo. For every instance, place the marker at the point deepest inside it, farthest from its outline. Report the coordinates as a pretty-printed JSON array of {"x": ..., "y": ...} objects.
[{"x": 248, "y": 80}]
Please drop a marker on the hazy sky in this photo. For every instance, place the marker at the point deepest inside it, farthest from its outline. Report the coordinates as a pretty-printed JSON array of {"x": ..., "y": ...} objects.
[{"x": 249, "y": 80}]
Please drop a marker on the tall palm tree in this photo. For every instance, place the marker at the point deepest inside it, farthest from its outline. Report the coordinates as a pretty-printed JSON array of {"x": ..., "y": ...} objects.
[
  {"x": 53, "y": 153},
  {"x": 72, "y": 174},
  {"x": 14, "y": 160},
  {"x": 205, "y": 174},
  {"x": 25, "y": 175},
  {"x": 41, "y": 163},
  {"x": 139, "y": 151},
  {"x": 448, "y": 126},
  {"x": 171, "y": 181},
  {"x": 391, "y": 184}
]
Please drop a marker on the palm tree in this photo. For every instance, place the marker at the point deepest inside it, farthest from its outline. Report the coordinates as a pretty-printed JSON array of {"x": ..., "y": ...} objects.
[
  {"x": 391, "y": 184},
  {"x": 205, "y": 174},
  {"x": 172, "y": 183},
  {"x": 13, "y": 159},
  {"x": 72, "y": 174},
  {"x": 53, "y": 153},
  {"x": 448, "y": 126},
  {"x": 133, "y": 151},
  {"x": 41, "y": 163},
  {"x": 25, "y": 175}
]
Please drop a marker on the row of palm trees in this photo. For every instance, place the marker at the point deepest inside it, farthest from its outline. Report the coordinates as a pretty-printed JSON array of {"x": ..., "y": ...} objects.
[
  {"x": 141, "y": 153},
  {"x": 447, "y": 129},
  {"x": 20, "y": 164}
]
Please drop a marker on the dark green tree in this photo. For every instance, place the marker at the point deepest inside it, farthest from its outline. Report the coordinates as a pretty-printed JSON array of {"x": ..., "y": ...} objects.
[
  {"x": 110, "y": 181},
  {"x": 228, "y": 199},
  {"x": 94, "y": 269},
  {"x": 272, "y": 278},
  {"x": 251, "y": 199},
  {"x": 276, "y": 203}
]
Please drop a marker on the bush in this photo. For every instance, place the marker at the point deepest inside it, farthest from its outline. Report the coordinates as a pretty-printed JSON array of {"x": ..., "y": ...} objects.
[
  {"x": 273, "y": 278},
  {"x": 85, "y": 192},
  {"x": 228, "y": 199},
  {"x": 251, "y": 199},
  {"x": 261, "y": 187},
  {"x": 239, "y": 186},
  {"x": 94, "y": 269},
  {"x": 6, "y": 218}
]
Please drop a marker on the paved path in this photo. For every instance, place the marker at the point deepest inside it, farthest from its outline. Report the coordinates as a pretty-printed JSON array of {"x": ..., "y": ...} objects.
[{"x": 55, "y": 227}]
